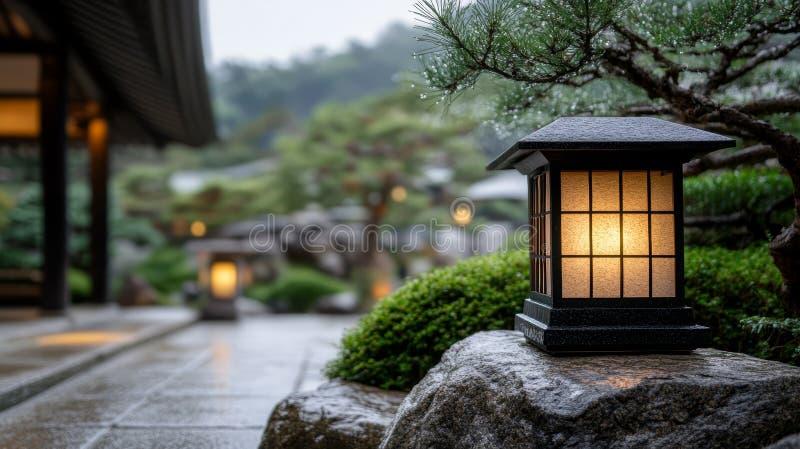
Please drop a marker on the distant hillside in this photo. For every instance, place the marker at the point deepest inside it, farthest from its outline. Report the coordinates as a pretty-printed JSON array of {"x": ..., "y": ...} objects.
[{"x": 244, "y": 93}]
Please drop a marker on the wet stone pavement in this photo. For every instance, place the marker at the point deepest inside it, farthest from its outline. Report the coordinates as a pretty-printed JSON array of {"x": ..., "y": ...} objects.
[{"x": 211, "y": 385}]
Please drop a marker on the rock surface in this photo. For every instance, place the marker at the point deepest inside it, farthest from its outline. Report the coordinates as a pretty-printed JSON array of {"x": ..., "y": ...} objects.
[
  {"x": 493, "y": 390},
  {"x": 790, "y": 442},
  {"x": 337, "y": 415}
]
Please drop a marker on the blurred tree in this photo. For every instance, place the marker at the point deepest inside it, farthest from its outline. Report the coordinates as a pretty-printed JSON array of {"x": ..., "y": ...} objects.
[
  {"x": 377, "y": 153},
  {"x": 724, "y": 65},
  {"x": 21, "y": 238},
  {"x": 243, "y": 92}
]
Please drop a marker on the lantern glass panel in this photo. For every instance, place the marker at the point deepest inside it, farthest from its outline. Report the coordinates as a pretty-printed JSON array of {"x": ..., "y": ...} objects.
[
  {"x": 634, "y": 191},
  {"x": 623, "y": 246},
  {"x": 605, "y": 277},
  {"x": 636, "y": 279},
  {"x": 605, "y": 191},
  {"x": 540, "y": 233},
  {"x": 224, "y": 280},
  {"x": 661, "y": 190},
  {"x": 575, "y": 277},
  {"x": 575, "y": 234},
  {"x": 663, "y": 277},
  {"x": 605, "y": 234},
  {"x": 663, "y": 235},
  {"x": 575, "y": 191}
]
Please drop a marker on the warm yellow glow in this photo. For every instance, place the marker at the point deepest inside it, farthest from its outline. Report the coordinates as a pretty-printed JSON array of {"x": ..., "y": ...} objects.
[
  {"x": 198, "y": 228},
  {"x": 663, "y": 277},
  {"x": 605, "y": 234},
  {"x": 661, "y": 190},
  {"x": 575, "y": 234},
  {"x": 381, "y": 288},
  {"x": 19, "y": 118},
  {"x": 634, "y": 191},
  {"x": 398, "y": 194},
  {"x": 605, "y": 191},
  {"x": 462, "y": 214},
  {"x": 575, "y": 191},
  {"x": 663, "y": 235},
  {"x": 637, "y": 277},
  {"x": 98, "y": 135},
  {"x": 605, "y": 277},
  {"x": 224, "y": 280},
  {"x": 82, "y": 338},
  {"x": 634, "y": 235},
  {"x": 575, "y": 277}
]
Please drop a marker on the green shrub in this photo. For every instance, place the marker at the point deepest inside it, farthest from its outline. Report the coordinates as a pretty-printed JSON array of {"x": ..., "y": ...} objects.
[
  {"x": 777, "y": 339},
  {"x": 406, "y": 333},
  {"x": 80, "y": 284},
  {"x": 726, "y": 286},
  {"x": 166, "y": 269},
  {"x": 751, "y": 190},
  {"x": 296, "y": 290}
]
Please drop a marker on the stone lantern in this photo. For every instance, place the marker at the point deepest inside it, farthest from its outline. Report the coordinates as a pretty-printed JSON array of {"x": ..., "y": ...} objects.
[
  {"x": 606, "y": 213},
  {"x": 224, "y": 287}
]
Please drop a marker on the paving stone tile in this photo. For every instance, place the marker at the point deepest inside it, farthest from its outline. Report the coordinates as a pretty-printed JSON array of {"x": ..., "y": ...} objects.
[
  {"x": 21, "y": 437},
  {"x": 209, "y": 411},
  {"x": 49, "y": 411},
  {"x": 219, "y": 377},
  {"x": 179, "y": 439}
]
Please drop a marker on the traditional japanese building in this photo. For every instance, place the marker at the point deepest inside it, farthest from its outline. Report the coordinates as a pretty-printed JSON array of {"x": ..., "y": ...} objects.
[{"x": 94, "y": 74}]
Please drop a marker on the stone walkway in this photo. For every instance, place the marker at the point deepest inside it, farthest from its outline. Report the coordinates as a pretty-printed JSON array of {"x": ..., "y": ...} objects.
[
  {"x": 49, "y": 350},
  {"x": 212, "y": 385}
]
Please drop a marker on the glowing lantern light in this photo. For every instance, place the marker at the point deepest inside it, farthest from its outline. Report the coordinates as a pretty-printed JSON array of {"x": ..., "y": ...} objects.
[
  {"x": 606, "y": 215},
  {"x": 224, "y": 287},
  {"x": 197, "y": 228}
]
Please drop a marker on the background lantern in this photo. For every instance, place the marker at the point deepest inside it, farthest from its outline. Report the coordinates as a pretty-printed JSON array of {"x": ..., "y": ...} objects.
[
  {"x": 224, "y": 286},
  {"x": 605, "y": 200}
]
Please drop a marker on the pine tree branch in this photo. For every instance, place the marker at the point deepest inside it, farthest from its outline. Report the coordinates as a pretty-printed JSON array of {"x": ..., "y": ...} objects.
[
  {"x": 725, "y": 159},
  {"x": 788, "y": 103},
  {"x": 725, "y": 76},
  {"x": 647, "y": 110},
  {"x": 636, "y": 41},
  {"x": 712, "y": 221}
]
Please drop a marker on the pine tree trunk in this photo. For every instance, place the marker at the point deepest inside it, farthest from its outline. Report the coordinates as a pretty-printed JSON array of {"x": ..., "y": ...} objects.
[{"x": 785, "y": 250}]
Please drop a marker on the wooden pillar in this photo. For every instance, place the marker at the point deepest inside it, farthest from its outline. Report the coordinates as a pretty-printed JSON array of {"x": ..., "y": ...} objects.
[
  {"x": 53, "y": 162},
  {"x": 98, "y": 172}
]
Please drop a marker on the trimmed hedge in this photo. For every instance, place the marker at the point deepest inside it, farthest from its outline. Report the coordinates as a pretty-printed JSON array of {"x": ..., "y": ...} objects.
[
  {"x": 296, "y": 290},
  {"x": 750, "y": 190},
  {"x": 726, "y": 286},
  {"x": 404, "y": 336},
  {"x": 395, "y": 345}
]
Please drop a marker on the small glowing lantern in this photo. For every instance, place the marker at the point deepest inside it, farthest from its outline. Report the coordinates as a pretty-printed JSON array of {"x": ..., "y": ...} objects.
[
  {"x": 606, "y": 248},
  {"x": 224, "y": 287}
]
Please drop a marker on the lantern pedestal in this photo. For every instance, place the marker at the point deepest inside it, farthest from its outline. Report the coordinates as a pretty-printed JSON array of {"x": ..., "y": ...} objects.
[
  {"x": 608, "y": 329},
  {"x": 220, "y": 310}
]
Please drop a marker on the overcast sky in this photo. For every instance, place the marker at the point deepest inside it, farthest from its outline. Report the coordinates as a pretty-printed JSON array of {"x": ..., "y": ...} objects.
[{"x": 261, "y": 30}]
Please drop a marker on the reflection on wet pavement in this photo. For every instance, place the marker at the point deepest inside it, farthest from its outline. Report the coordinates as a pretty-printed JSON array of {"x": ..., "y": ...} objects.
[{"x": 211, "y": 385}]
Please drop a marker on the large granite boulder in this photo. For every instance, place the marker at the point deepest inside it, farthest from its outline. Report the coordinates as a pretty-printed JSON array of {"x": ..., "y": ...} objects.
[
  {"x": 494, "y": 390},
  {"x": 337, "y": 415},
  {"x": 790, "y": 442}
]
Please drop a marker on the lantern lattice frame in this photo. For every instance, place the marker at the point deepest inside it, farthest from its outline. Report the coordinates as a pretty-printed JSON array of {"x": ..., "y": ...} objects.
[{"x": 611, "y": 321}]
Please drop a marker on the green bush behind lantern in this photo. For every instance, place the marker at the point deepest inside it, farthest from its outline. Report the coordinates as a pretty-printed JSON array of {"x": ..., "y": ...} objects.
[
  {"x": 405, "y": 335},
  {"x": 296, "y": 290}
]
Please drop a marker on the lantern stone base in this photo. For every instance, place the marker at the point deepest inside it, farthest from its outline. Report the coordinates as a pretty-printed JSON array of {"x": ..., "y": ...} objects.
[
  {"x": 589, "y": 330},
  {"x": 493, "y": 390},
  {"x": 219, "y": 310}
]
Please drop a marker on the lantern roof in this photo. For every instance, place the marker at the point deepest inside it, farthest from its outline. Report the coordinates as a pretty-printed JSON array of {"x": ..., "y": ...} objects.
[{"x": 646, "y": 134}]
